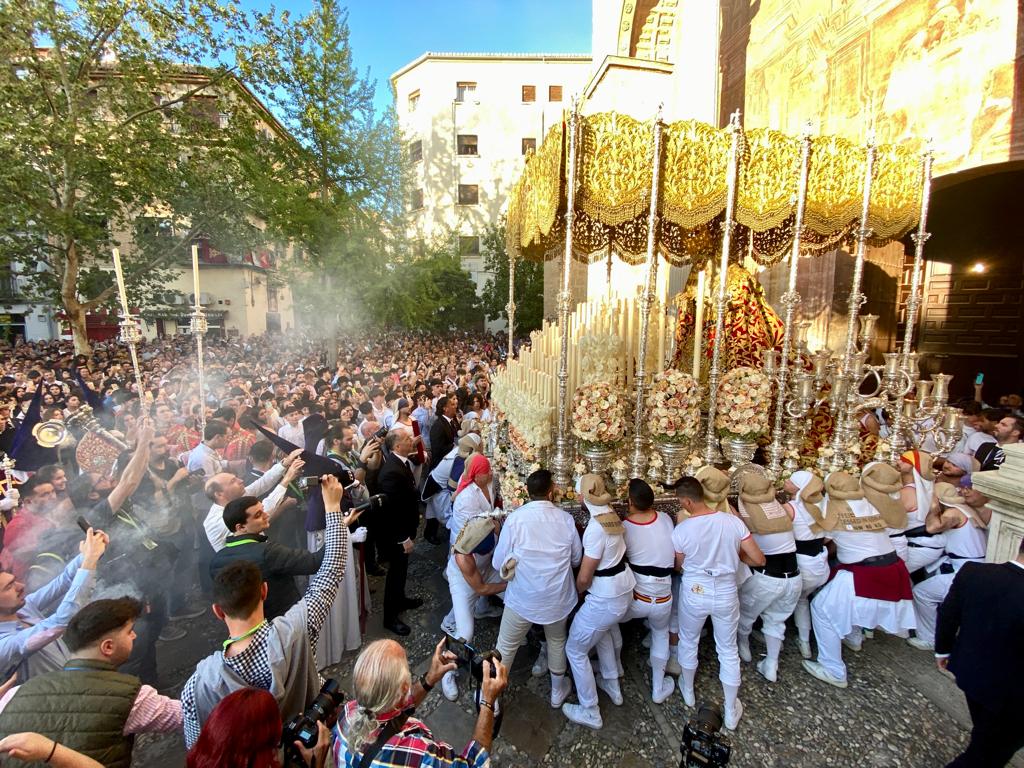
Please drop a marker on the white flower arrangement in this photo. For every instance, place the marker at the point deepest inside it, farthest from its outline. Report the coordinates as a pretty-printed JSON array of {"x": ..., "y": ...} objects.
[
  {"x": 655, "y": 461},
  {"x": 599, "y": 414},
  {"x": 620, "y": 465},
  {"x": 513, "y": 490},
  {"x": 673, "y": 407},
  {"x": 530, "y": 419},
  {"x": 601, "y": 356},
  {"x": 744, "y": 400}
]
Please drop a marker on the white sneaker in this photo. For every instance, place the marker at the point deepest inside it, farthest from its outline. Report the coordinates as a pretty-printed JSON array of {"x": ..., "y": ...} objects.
[
  {"x": 588, "y": 716},
  {"x": 732, "y": 716},
  {"x": 667, "y": 686},
  {"x": 921, "y": 645},
  {"x": 647, "y": 641},
  {"x": 805, "y": 648},
  {"x": 559, "y": 691},
  {"x": 611, "y": 687},
  {"x": 672, "y": 666},
  {"x": 768, "y": 669},
  {"x": 448, "y": 625},
  {"x": 540, "y": 666},
  {"x": 743, "y": 646},
  {"x": 450, "y": 686},
  {"x": 817, "y": 669},
  {"x": 855, "y": 647},
  {"x": 869, "y": 634},
  {"x": 689, "y": 698}
]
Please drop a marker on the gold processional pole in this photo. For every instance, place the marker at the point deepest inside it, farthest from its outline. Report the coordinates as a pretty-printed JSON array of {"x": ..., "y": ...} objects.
[
  {"x": 198, "y": 326},
  {"x": 130, "y": 332},
  {"x": 851, "y": 366},
  {"x": 561, "y": 463},
  {"x": 510, "y": 308},
  {"x": 791, "y": 302},
  {"x": 908, "y": 361},
  {"x": 711, "y": 452},
  {"x": 640, "y": 444}
]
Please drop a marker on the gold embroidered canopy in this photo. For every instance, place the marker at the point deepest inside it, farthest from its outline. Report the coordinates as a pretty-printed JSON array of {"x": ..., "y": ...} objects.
[{"x": 613, "y": 187}]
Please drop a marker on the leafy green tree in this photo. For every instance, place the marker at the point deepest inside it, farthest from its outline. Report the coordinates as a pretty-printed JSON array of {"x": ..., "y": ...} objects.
[
  {"x": 345, "y": 175},
  {"x": 111, "y": 136},
  {"x": 529, "y": 290}
]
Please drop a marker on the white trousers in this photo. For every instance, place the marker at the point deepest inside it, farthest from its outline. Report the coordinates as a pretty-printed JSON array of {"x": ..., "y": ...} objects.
[
  {"x": 702, "y": 596},
  {"x": 770, "y": 598},
  {"x": 659, "y": 618},
  {"x": 928, "y": 595},
  {"x": 673, "y": 626},
  {"x": 464, "y": 599},
  {"x": 932, "y": 549},
  {"x": 590, "y": 628},
  {"x": 813, "y": 574}
]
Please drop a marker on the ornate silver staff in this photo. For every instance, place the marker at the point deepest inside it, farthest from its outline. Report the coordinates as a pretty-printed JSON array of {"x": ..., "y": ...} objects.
[
  {"x": 130, "y": 331},
  {"x": 561, "y": 463},
  {"x": 711, "y": 452},
  {"x": 510, "y": 308},
  {"x": 791, "y": 302},
  {"x": 198, "y": 326},
  {"x": 851, "y": 368},
  {"x": 908, "y": 362},
  {"x": 638, "y": 460}
]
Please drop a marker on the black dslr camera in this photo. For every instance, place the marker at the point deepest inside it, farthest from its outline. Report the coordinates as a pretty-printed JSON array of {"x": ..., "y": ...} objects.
[
  {"x": 468, "y": 656},
  {"x": 303, "y": 728},
  {"x": 703, "y": 745}
]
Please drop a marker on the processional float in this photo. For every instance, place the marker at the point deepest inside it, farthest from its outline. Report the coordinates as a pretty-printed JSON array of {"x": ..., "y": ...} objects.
[{"x": 687, "y": 193}]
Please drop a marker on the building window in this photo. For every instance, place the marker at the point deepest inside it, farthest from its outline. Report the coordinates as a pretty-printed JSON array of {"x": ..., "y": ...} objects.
[
  {"x": 469, "y": 194},
  {"x": 465, "y": 91},
  {"x": 467, "y": 144},
  {"x": 554, "y": 93},
  {"x": 529, "y": 145},
  {"x": 416, "y": 199},
  {"x": 414, "y": 101},
  {"x": 415, "y": 151},
  {"x": 469, "y": 247},
  {"x": 529, "y": 93}
]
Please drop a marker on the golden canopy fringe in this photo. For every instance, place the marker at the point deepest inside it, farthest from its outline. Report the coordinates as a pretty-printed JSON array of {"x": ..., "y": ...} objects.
[{"x": 613, "y": 191}]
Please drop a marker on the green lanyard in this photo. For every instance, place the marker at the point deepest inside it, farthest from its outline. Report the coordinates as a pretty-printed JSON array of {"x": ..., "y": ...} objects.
[
  {"x": 240, "y": 543},
  {"x": 250, "y": 633}
]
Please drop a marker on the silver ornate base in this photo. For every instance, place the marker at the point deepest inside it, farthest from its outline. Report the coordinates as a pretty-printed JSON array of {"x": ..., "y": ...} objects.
[
  {"x": 598, "y": 458},
  {"x": 673, "y": 454},
  {"x": 738, "y": 451}
]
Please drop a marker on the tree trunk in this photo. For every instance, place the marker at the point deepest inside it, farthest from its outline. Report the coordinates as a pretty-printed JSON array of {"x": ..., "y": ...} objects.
[
  {"x": 76, "y": 320},
  {"x": 74, "y": 309}
]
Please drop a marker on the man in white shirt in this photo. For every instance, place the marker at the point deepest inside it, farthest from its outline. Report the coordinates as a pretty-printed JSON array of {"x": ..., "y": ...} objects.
[
  {"x": 539, "y": 544},
  {"x": 206, "y": 455},
  {"x": 709, "y": 546},
  {"x": 608, "y": 583},
  {"x": 224, "y": 487}
]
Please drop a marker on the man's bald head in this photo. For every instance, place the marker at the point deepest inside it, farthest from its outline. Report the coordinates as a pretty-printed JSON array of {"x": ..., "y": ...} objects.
[{"x": 223, "y": 488}]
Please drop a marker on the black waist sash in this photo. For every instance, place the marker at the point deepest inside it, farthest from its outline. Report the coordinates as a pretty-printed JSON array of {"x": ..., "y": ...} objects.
[
  {"x": 651, "y": 570},
  {"x": 810, "y": 547},
  {"x": 779, "y": 566},
  {"x": 612, "y": 570}
]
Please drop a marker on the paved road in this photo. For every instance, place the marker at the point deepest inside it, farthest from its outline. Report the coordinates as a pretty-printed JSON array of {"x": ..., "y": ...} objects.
[{"x": 898, "y": 712}]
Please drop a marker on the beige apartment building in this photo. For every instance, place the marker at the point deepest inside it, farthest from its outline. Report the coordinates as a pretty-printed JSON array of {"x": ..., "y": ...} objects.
[{"x": 468, "y": 119}]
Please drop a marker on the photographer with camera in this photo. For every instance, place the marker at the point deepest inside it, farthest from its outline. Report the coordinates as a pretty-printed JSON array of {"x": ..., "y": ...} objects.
[
  {"x": 378, "y": 728},
  {"x": 276, "y": 655},
  {"x": 248, "y": 523}
]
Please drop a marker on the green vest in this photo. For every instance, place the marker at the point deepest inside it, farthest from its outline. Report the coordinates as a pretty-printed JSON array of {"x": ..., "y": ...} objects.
[{"x": 84, "y": 707}]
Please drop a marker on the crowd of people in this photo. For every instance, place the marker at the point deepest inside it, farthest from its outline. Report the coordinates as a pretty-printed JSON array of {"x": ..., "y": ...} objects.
[{"x": 276, "y": 490}]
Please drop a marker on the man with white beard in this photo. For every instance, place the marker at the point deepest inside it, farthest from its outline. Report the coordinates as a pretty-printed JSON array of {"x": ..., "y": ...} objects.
[{"x": 773, "y": 589}]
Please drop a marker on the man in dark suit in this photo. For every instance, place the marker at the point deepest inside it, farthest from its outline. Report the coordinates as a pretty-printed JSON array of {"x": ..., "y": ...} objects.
[
  {"x": 400, "y": 518},
  {"x": 443, "y": 434},
  {"x": 980, "y": 639}
]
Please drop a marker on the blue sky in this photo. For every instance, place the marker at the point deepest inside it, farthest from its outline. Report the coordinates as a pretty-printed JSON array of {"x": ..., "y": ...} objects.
[{"x": 386, "y": 34}]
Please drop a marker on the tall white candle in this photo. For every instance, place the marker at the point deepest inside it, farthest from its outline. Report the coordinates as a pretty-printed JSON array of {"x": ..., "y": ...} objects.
[
  {"x": 195, "y": 273},
  {"x": 120, "y": 281}
]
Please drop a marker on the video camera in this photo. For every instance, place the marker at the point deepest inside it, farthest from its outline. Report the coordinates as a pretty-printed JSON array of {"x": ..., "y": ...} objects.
[
  {"x": 303, "y": 728},
  {"x": 703, "y": 746},
  {"x": 468, "y": 656}
]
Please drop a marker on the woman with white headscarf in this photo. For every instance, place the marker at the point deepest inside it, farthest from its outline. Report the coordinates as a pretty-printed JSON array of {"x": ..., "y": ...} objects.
[{"x": 811, "y": 555}]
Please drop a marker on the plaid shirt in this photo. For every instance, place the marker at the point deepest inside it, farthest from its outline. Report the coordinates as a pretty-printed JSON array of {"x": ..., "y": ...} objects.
[
  {"x": 252, "y": 664},
  {"x": 412, "y": 746}
]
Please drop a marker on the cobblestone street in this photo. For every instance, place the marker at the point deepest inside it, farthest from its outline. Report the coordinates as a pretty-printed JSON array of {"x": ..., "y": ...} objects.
[{"x": 898, "y": 712}]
